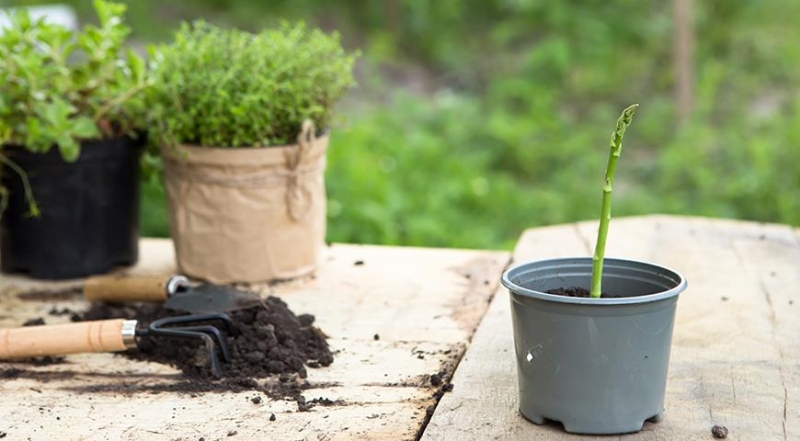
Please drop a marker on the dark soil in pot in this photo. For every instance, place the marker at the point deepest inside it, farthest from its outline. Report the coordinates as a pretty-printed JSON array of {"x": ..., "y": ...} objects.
[
  {"x": 89, "y": 219},
  {"x": 577, "y": 292}
]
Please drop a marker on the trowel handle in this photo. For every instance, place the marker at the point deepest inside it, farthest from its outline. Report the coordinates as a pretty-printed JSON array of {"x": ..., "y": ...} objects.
[
  {"x": 71, "y": 338},
  {"x": 116, "y": 288}
]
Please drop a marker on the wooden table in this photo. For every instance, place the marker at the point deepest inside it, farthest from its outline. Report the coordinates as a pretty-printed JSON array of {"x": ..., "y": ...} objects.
[
  {"x": 736, "y": 345},
  {"x": 423, "y": 304},
  {"x": 735, "y": 358}
]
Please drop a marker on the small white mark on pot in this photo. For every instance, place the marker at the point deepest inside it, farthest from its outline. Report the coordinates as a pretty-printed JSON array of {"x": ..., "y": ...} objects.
[{"x": 534, "y": 352}]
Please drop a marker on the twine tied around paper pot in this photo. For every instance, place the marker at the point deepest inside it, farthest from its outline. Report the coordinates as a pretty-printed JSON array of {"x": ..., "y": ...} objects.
[{"x": 298, "y": 197}]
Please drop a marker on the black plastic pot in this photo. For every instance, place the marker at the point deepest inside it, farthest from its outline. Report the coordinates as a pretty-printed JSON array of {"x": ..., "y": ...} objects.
[{"x": 89, "y": 219}]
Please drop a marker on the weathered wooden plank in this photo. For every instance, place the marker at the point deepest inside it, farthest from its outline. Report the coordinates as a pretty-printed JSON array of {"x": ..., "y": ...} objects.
[
  {"x": 735, "y": 358},
  {"x": 423, "y": 304}
]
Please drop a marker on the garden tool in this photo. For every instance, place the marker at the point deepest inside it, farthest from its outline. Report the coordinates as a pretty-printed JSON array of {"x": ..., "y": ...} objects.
[
  {"x": 175, "y": 291},
  {"x": 114, "y": 335}
]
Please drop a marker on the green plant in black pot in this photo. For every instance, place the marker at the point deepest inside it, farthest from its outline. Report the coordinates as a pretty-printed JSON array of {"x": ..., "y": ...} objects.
[
  {"x": 595, "y": 362},
  {"x": 242, "y": 121},
  {"x": 71, "y": 111}
]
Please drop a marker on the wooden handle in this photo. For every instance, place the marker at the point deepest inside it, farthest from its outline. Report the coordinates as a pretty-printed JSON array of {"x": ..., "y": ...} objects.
[
  {"x": 71, "y": 338},
  {"x": 118, "y": 288}
]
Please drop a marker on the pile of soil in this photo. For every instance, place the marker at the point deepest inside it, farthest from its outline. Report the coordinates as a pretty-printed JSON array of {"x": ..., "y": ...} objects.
[{"x": 269, "y": 340}]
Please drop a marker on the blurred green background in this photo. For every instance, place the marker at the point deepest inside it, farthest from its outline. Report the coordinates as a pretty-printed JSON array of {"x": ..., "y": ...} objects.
[{"x": 474, "y": 120}]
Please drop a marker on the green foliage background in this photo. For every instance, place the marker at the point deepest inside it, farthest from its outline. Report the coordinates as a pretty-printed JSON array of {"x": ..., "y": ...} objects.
[{"x": 474, "y": 120}]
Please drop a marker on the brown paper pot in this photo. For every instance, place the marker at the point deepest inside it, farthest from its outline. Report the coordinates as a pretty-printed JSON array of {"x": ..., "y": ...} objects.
[{"x": 247, "y": 214}]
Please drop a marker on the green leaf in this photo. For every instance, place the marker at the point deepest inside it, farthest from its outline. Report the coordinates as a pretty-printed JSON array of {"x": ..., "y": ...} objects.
[
  {"x": 5, "y": 134},
  {"x": 21, "y": 19},
  {"x": 57, "y": 113},
  {"x": 91, "y": 41},
  {"x": 137, "y": 66},
  {"x": 84, "y": 128},
  {"x": 34, "y": 131},
  {"x": 54, "y": 37},
  {"x": 109, "y": 12},
  {"x": 69, "y": 148}
]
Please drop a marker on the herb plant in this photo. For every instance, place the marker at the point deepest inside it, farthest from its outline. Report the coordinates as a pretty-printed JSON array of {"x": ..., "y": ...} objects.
[
  {"x": 605, "y": 212},
  {"x": 58, "y": 87},
  {"x": 230, "y": 88}
]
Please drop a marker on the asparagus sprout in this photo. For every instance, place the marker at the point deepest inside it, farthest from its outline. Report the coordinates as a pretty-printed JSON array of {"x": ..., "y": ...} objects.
[{"x": 605, "y": 213}]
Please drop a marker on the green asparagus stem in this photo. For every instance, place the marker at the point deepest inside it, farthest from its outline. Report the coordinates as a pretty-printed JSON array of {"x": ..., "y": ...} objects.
[{"x": 605, "y": 212}]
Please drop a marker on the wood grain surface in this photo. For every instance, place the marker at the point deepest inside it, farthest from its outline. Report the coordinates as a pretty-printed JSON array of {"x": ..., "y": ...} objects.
[
  {"x": 736, "y": 347},
  {"x": 394, "y": 316}
]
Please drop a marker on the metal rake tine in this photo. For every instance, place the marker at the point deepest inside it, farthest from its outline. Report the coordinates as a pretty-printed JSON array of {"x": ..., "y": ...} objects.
[
  {"x": 203, "y": 332},
  {"x": 230, "y": 327},
  {"x": 212, "y": 332},
  {"x": 208, "y": 341}
]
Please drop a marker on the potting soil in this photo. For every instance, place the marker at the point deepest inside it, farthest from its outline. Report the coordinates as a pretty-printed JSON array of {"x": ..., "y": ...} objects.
[
  {"x": 270, "y": 339},
  {"x": 575, "y": 292}
]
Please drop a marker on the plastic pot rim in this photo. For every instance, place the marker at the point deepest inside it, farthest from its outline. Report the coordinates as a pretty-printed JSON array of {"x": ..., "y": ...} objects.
[{"x": 573, "y": 266}]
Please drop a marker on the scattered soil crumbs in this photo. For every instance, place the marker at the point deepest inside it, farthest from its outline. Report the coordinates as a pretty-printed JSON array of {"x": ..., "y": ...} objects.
[
  {"x": 10, "y": 374},
  {"x": 719, "y": 432},
  {"x": 75, "y": 316},
  {"x": 441, "y": 381},
  {"x": 34, "y": 322},
  {"x": 575, "y": 292},
  {"x": 47, "y": 360}
]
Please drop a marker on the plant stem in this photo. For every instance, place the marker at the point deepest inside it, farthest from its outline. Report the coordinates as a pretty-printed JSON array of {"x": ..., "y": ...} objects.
[
  {"x": 605, "y": 211},
  {"x": 34, "y": 208},
  {"x": 117, "y": 101}
]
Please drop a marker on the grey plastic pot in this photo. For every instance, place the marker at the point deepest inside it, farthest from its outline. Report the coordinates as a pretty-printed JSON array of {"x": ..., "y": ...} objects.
[{"x": 598, "y": 366}]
